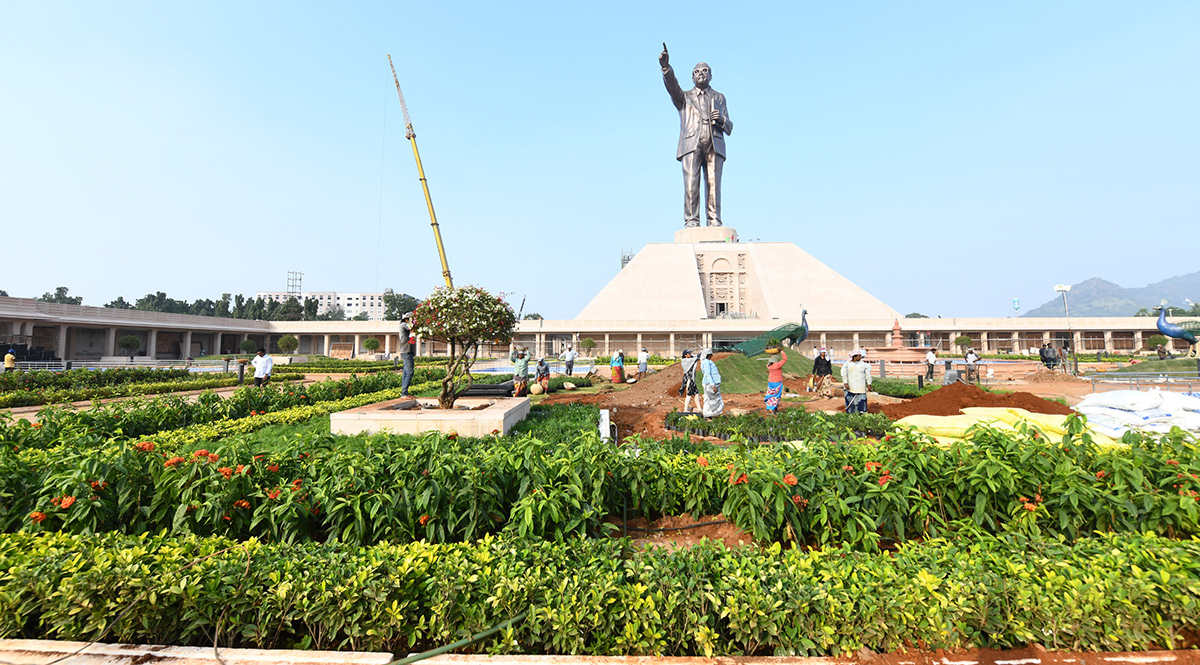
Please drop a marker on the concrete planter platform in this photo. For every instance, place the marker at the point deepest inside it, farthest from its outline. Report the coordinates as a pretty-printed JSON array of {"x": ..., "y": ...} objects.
[{"x": 480, "y": 417}]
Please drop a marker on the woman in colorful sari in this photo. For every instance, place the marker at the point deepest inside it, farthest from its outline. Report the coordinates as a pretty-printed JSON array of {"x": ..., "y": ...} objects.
[
  {"x": 616, "y": 367},
  {"x": 775, "y": 380},
  {"x": 520, "y": 361},
  {"x": 542, "y": 374}
]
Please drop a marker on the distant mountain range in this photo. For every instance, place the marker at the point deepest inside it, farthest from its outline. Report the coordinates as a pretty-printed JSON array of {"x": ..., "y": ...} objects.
[{"x": 1098, "y": 297}]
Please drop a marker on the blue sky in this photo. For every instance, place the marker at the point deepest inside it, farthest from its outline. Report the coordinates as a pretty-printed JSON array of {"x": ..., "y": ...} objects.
[{"x": 948, "y": 157}]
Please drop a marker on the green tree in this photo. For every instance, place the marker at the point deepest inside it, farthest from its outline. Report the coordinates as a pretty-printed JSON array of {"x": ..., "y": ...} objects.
[
  {"x": 463, "y": 318},
  {"x": 361, "y": 316},
  {"x": 291, "y": 310},
  {"x": 311, "y": 305},
  {"x": 371, "y": 344},
  {"x": 333, "y": 313},
  {"x": 962, "y": 340},
  {"x": 248, "y": 346},
  {"x": 1155, "y": 341},
  {"x": 61, "y": 297},
  {"x": 588, "y": 345},
  {"x": 239, "y": 306},
  {"x": 3, "y": 293},
  {"x": 129, "y": 344},
  {"x": 533, "y": 316},
  {"x": 288, "y": 343},
  {"x": 396, "y": 305},
  {"x": 222, "y": 310},
  {"x": 915, "y": 315},
  {"x": 119, "y": 303}
]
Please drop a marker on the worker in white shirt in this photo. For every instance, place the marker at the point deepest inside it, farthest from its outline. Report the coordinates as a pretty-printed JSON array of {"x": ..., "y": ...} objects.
[
  {"x": 568, "y": 357},
  {"x": 643, "y": 362},
  {"x": 856, "y": 381},
  {"x": 930, "y": 361},
  {"x": 262, "y": 367}
]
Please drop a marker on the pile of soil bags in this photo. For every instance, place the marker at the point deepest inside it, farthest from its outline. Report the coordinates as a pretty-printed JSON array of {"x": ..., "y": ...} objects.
[{"x": 1116, "y": 412}]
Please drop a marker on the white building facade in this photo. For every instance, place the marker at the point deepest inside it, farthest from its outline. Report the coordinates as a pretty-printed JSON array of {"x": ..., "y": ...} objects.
[{"x": 352, "y": 303}]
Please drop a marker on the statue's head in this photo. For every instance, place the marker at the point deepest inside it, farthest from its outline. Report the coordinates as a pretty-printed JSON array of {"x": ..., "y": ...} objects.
[{"x": 701, "y": 75}]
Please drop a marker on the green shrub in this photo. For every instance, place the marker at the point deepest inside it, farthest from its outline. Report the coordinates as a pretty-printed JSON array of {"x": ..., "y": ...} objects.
[{"x": 604, "y": 597}]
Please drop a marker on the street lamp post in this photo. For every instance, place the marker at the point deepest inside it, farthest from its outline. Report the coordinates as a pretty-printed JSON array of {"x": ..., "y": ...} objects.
[{"x": 1063, "y": 288}]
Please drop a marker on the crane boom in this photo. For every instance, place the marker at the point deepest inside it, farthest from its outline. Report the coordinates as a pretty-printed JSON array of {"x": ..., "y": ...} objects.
[{"x": 412, "y": 137}]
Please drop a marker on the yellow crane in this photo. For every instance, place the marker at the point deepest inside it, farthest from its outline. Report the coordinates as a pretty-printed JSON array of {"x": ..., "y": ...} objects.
[{"x": 412, "y": 137}]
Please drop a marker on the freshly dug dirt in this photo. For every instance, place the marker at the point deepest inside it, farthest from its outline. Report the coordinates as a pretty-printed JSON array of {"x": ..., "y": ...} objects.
[
  {"x": 642, "y": 407},
  {"x": 950, "y": 400},
  {"x": 726, "y": 533},
  {"x": 1044, "y": 375}
]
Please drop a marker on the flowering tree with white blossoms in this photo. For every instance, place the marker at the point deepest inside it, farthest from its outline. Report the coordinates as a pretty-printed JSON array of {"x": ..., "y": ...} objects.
[{"x": 463, "y": 318}]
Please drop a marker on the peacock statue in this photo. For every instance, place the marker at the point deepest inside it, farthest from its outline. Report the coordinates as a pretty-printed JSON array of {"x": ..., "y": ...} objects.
[
  {"x": 789, "y": 332},
  {"x": 1186, "y": 331}
]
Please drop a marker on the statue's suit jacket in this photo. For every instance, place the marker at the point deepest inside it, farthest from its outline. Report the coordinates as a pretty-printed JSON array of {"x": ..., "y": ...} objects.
[{"x": 691, "y": 117}]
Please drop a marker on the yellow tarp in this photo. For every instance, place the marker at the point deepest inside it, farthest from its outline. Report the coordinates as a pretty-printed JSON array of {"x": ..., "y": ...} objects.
[{"x": 948, "y": 429}]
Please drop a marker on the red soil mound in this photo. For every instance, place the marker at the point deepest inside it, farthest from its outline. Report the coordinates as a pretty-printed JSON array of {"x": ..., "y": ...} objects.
[{"x": 950, "y": 400}]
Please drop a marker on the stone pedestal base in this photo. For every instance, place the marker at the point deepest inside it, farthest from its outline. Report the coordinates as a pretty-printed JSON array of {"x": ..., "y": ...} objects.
[{"x": 706, "y": 234}]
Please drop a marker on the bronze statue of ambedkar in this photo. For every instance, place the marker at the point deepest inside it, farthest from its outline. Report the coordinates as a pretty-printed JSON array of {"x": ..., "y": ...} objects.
[{"x": 703, "y": 123}]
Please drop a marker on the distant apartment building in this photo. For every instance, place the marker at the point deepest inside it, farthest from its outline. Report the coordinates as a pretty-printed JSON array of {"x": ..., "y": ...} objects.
[{"x": 351, "y": 303}]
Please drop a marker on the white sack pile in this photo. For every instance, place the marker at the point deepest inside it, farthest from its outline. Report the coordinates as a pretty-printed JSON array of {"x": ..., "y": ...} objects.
[{"x": 1116, "y": 412}]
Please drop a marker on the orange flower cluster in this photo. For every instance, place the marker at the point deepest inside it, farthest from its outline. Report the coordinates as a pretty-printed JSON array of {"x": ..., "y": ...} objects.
[
  {"x": 37, "y": 425},
  {"x": 740, "y": 480},
  {"x": 211, "y": 457},
  {"x": 273, "y": 467},
  {"x": 799, "y": 501},
  {"x": 226, "y": 471},
  {"x": 424, "y": 520},
  {"x": 297, "y": 484},
  {"x": 871, "y": 466},
  {"x": 241, "y": 503},
  {"x": 1030, "y": 505},
  {"x": 1100, "y": 475},
  {"x": 789, "y": 479},
  {"x": 145, "y": 446},
  {"x": 273, "y": 494},
  {"x": 37, "y": 516},
  {"x": 702, "y": 460},
  {"x": 241, "y": 468},
  {"x": 848, "y": 468},
  {"x": 63, "y": 502},
  {"x": 1174, "y": 462},
  {"x": 174, "y": 461},
  {"x": 99, "y": 485}
]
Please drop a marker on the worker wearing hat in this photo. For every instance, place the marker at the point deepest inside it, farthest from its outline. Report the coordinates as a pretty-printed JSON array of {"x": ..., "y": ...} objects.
[
  {"x": 10, "y": 361},
  {"x": 856, "y": 381},
  {"x": 687, "y": 387},
  {"x": 822, "y": 374},
  {"x": 643, "y": 362},
  {"x": 408, "y": 352},
  {"x": 520, "y": 361},
  {"x": 714, "y": 404}
]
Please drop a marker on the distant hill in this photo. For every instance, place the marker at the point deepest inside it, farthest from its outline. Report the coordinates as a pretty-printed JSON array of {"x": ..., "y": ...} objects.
[{"x": 1098, "y": 297}]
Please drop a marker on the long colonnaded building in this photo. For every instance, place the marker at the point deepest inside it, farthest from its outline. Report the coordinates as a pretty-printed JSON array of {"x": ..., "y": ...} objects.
[{"x": 704, "y": 289}]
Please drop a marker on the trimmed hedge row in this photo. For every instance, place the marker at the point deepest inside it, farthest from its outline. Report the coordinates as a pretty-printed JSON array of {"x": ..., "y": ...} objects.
[
  {"x": 137, "y": 418},
  {"x": 87, "y": 378},
  {"x": 1113, "y": 592},
  {"x": 19, "y": 398}
]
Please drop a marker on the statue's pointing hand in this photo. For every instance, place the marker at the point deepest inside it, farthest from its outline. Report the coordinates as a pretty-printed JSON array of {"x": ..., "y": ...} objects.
[{"x": 664, "y": 60}]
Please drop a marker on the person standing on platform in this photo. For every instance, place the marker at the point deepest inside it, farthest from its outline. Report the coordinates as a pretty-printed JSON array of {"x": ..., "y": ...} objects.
[
  {"x": 714, "y": 404},
  {"x": 262, "y": 368},
  {"x": 643, "y": 362},
  {"x": 408, "y": 352},
  {"x": 930, "y": 361},
  {"x": 856, "y": 381},
  {"x": 568, "y": 357},
  {"x": 823, "y": 374},
  {"x": 775, "y": 380},
  {"x": 687, "y": 387},
  {"x": 616, "y": 367}
]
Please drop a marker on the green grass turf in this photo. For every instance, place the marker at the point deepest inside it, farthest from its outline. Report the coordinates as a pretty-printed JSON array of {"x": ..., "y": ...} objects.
[
  {"x": 741, "y": 375},
  {"x": 1171, "y": 365}
]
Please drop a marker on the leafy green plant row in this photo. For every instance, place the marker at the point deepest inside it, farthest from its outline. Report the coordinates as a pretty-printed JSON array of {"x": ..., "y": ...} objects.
[
  {"x": 18, "y": 398},
  {"x": 310, "y": 485},
  {"x": 605, "y": 597},
  {"x": 134, "y": 418},
  {"x": 785, "y": 425},
  {"x": 87, "y": 378},
  {"x": 898, "y": 388}
]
